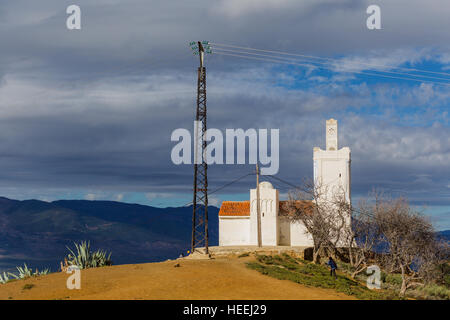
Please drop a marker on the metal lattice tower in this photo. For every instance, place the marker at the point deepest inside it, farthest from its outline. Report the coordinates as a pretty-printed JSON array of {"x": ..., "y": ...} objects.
[{"x": 200, "y": 203}]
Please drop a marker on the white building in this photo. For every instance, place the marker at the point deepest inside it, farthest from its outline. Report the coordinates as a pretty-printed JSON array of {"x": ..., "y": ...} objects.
[{"x": 238, "y": 219}]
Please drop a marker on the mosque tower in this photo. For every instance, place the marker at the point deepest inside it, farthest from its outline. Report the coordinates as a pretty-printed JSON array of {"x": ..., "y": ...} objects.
[{"x": 332, "y": 166}]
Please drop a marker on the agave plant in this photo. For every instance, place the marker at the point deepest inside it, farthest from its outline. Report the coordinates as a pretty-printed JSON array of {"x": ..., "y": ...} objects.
[
  {"x": 84, "y": 258},
  {"x": 4, "y": 278},
  {"x": 42, "y": 272},
  {"x": 24, "y": 272}
]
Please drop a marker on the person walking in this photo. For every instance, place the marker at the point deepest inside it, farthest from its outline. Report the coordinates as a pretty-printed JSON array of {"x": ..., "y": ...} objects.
[{"x": 333, "y": 267}]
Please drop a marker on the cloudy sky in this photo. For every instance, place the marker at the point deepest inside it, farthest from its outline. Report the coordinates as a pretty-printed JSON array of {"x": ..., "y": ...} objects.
[{"x": 88, "y": 114}]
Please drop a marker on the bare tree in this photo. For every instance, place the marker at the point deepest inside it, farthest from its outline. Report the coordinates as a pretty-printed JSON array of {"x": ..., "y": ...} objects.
[
  {"x": 408, "y": 239},
  {"x": 363, "y": 236},
  {"x": 324, "y": 220},
  {"x": 432, "y": 265},
  {"x": 339, "y": 212}
]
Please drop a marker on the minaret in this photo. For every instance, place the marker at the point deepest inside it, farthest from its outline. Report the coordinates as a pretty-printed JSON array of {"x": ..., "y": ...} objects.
[
  {"x": 332, "y": 165},
  {"x": 331, "y": 135}
]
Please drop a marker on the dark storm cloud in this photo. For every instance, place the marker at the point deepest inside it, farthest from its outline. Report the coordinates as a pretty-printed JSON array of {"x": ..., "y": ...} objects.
[{"x": 94, "y": 109}]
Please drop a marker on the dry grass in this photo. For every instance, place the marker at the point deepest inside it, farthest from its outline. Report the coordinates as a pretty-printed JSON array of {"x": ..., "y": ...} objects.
[{"x": 224, "y": 278}]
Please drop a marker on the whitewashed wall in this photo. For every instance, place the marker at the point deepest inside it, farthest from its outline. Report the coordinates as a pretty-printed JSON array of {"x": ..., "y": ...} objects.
[
  {"x": 269, "y": 215},
  {"x": 299, "y": 237},
  {"x": 284, "y": 235},
  {"x": 293, "y": 233},
  {"x": 234, "y": 231}
]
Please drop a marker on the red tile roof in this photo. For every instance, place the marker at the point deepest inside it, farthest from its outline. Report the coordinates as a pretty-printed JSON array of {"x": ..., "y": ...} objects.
[
  {"x": 235, "y": 208},
  {"x": 286, "y": 206},
  {"x": 242, "y": 208}
]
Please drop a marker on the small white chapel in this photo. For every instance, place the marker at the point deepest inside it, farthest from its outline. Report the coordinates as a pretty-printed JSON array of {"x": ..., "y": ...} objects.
[{"x": 238, "y": 219}]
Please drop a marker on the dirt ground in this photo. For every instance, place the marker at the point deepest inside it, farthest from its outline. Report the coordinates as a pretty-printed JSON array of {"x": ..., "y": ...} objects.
[{"x": 224, "y": 278}]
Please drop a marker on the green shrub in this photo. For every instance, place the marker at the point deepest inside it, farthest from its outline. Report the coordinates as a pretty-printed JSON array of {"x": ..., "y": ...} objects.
[
  {"x": 447, "y": 280},
  {"x": 84, "y": 258},
  {"x": 394, "y": 279},
  {"x": 265, "y": 259},
  {"x": 245, "y": 254},
  {"x": 346, "y": 267},
  {"x": 383, "y": 276},
  {"x": 28, "y": 286},
  {"x": 436, "y": 291},
  {"x": 310, "y": 274}
]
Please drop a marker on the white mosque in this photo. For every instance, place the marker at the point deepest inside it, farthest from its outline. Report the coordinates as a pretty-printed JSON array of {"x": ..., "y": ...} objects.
[{"x": 238, "y": 219}]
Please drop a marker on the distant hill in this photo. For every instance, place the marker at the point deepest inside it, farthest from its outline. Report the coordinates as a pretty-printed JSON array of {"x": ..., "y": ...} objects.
[
  {"x": 37, "y": 232},
  {"x": 444, "y": 234}
]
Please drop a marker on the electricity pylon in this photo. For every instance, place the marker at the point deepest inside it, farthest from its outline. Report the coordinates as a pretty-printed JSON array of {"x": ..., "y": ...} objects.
[{"x": 200, "y": 203}]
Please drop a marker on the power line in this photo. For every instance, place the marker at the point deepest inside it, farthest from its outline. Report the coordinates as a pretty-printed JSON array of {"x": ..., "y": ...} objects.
[
  {"x": 327, "y": 63},
  {"x": 358, "y": 72},
  {"x": 230, "y": 183},
  {"x": 331, "y": 59},
  {"x": 224, "y": 186},
  {"x": 289, "y": 184},
  {"x": 272, "y": 59},
  {"x": 275, "y": 183}
]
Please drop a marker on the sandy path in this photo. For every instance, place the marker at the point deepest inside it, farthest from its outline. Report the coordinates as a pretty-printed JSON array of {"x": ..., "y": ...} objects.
[{"x": 194, "y": 279}]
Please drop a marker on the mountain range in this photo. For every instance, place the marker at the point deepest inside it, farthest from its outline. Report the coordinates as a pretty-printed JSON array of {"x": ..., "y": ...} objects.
[{"x": 38, "y": 232}]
